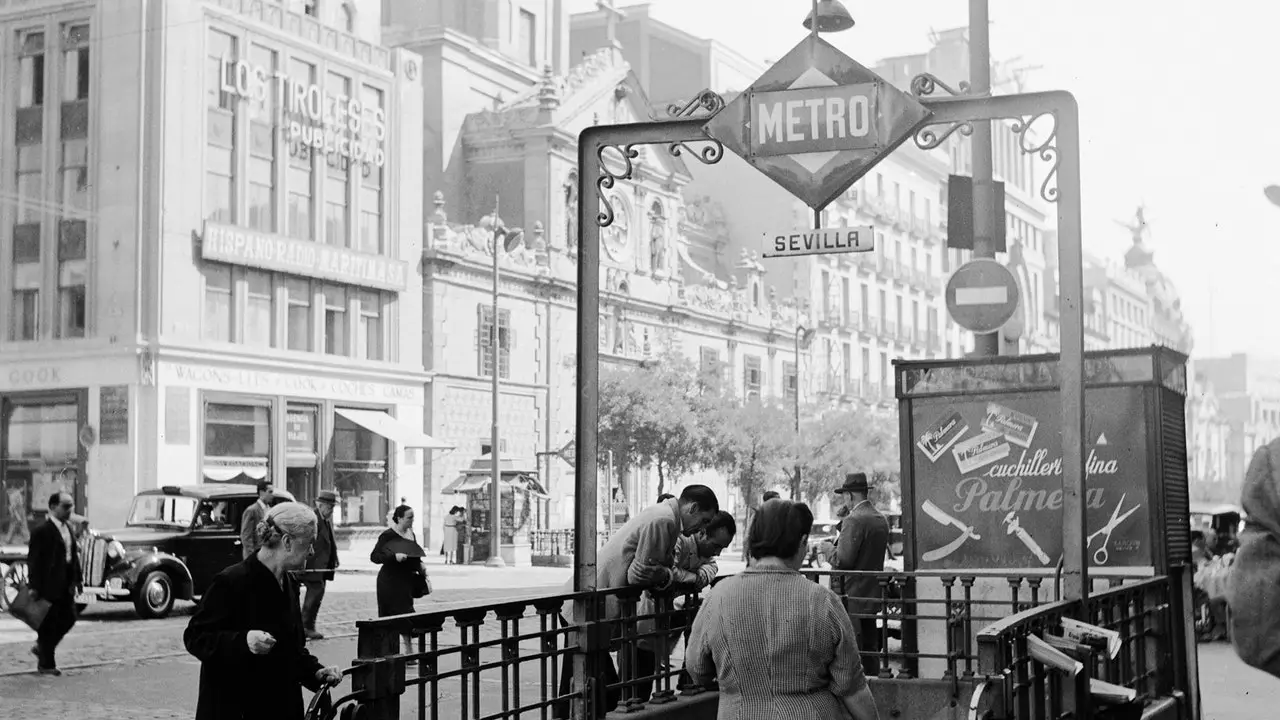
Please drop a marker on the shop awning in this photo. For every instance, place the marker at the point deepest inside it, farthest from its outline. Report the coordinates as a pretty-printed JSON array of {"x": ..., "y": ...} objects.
[
  {"x": 397, "y": 431},
  {"x": 471, "y": 483}
]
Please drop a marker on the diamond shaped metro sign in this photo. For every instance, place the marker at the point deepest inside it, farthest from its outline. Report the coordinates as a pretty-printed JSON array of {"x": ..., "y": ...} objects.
[{"x": 817, "y": 121}]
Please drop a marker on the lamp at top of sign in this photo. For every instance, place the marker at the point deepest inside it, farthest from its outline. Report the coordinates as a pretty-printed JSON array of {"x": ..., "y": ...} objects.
[
  {"x": 831, "y": 16},
  {"x": 1273, "y": 194}
]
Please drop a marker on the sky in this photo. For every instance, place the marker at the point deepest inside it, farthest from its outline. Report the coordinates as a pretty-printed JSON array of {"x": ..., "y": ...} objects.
[{"x": 1175, "y": 100}]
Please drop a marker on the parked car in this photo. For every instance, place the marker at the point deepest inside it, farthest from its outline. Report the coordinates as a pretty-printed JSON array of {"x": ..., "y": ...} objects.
[{"x": 175, "y": 541}]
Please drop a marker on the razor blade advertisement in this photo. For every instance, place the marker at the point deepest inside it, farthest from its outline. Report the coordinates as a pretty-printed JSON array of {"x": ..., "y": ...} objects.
[
  {"x": 942, "y": 435},
  {"x": 1016, "y": 427},
  {"x": 980, "y": 451}
]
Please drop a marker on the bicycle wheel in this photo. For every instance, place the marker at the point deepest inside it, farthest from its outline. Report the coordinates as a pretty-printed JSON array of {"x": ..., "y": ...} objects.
[{"x": 15, "y": 576}]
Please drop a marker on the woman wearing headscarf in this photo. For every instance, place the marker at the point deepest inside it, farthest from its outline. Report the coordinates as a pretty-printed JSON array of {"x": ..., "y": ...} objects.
[
  {"x": 247, "y": 631},
  {"x": 779, "y": 645},
  {"x": 403, "y": 577}
]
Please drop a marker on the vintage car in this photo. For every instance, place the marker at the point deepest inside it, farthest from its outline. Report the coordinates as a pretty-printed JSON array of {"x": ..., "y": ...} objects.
[{"x": 175, "y": 541}]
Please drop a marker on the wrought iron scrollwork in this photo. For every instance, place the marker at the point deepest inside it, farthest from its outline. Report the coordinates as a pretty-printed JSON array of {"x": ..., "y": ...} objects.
[
  {"x": 608, "y": 178},
  {"x": 707, "y": 102},
  {"x": 708, "y": 154},
  {"x": 928, "y": 83},
  {"x": 929, "y": 139},
  {"x": 1045, "y": 147}
]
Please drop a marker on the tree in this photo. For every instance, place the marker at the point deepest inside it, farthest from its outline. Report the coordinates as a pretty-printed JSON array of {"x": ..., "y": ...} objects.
[
  {"x": 656, "y": 414},
  {"x": 844, "y": 441},
  {"x": 753, "y": 445}
]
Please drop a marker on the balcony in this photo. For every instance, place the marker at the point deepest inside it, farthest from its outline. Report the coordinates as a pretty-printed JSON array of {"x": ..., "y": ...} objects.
[
  {"x": 829, "y": 319},
  {"x": 890, "y": 330},
  {"x": 853, "y": 322},
  {"x": 872, "y": 326},
  {"x": 905, "y": 335}
]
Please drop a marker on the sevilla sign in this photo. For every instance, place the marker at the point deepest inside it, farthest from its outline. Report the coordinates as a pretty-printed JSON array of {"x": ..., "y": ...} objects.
[{"x": 817, "y": 121}]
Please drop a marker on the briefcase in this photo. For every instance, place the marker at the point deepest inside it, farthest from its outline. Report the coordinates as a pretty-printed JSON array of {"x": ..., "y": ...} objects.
[{"x": 28, "y": 609}]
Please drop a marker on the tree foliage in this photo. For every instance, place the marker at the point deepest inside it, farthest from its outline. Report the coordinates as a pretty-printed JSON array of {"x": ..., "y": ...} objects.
[
  {"x": 844, "y": 441},
  {"x": 753, "y": 446},
  {"x": 655, "y": 415}
]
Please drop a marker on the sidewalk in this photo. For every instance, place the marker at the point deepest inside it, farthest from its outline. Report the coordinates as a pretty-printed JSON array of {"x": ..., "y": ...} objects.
[{"x": 450, "y": 577}]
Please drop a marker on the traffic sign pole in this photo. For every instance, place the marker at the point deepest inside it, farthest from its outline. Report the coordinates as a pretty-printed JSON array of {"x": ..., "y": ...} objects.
[{"x": 984, "y": 219}]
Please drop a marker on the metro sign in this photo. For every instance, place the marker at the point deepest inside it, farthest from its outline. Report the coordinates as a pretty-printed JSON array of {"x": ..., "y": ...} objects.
[{"x": 817, "y": 121}]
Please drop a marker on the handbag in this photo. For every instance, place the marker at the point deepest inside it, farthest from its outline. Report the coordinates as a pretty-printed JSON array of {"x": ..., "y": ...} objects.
[
  {"x": 421, "y": 584},
  {"x": 28, "y": 609}
]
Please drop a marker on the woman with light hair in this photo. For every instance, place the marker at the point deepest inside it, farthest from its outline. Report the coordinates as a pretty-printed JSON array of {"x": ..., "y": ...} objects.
[{"x": 247, "y": 631}]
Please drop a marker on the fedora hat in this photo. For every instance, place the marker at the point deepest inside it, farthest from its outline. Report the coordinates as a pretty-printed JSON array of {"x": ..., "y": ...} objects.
[
  {"x": 854, "y": 482},
  {"x": 327, "y": 496}
]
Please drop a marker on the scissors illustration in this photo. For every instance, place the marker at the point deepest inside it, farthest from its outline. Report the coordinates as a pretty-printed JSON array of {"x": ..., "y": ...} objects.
[{"x": 1102, "y": 555}]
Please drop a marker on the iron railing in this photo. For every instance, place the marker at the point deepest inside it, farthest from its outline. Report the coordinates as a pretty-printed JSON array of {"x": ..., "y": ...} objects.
[
  {"x": 1141, "y": 612},
  {"x": 513, "y": 659},
  {"x": 557, "y": 542}
]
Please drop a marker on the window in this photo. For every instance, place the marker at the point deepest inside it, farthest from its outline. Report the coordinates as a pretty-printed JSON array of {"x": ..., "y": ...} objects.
[
  {"x": 826, "y": 295},
  {"x": 217, "y": 302},
  {"x": 528, "y": 50},
  {"x": 884, "y": 308},
  {"x": 311, "y": 7},
  {"x": 371, "y": 190},
  {"x": 848, "y": 365},
  {"x": 752, "y": 377},
  {"x": 26, "y": 315},
  {"x": 31, "y": 71},
  {"x": 370, "y": 341},
  {"x": 866, "y": 368},
  {"x": 258, "y": 309},
  {"x": 220, "y": 189},
  {"x": 237, "y": 442},
  {"x": 300, "y": 178},
  {"x": 73, "y": 184},
  {"x": 335, "y": 320},
  {"x": 866, "y": 305},
  {"x": 337, "y": 206},
  {"x": 263, "y": 114},
  {"x": 790, "y": 381},
  {"x": 298, "y": 314},
  {"x": 29, "y": 181},
  {"x": 846, "y": 297},
  {"x": 708, "y": 361},
  {"x": 486, "y": 342}
]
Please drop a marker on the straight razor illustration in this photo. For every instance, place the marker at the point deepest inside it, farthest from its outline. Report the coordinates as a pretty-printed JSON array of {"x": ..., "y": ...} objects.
[{"x": 966, "y": 532}]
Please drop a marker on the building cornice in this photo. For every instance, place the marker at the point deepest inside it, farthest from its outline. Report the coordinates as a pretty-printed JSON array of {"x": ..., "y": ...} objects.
[{"x": 246, "y": 357}]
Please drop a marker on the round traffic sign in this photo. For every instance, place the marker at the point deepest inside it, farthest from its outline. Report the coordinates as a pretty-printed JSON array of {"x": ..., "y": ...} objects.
[{"x": 982, "y": 295}]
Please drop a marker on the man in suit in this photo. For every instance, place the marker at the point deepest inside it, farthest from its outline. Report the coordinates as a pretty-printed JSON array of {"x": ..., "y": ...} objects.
[
  {"x": 642, "y": 552},
  {"x": 864, "y": 536},
  {"x": 324, "y": 556},
  {"x": 53, "y": 561},
  {"x": 253, "y": 515}
]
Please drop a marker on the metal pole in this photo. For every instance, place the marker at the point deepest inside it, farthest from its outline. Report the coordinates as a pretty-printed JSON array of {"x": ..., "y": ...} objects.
[
  {"x": 984, "y": 219},
  {"x": 495, "y": 477},
  {"x": 795, "y": 492},
  {"x": 1075, "y": 572}
]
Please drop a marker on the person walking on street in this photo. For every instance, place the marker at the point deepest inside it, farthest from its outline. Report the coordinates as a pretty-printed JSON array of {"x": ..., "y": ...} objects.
[
  {"x": 778, "y": 644},
  {"x": 247, "y": 631},
  {"x": 864, "y": 536},
  {"x": 323, "y": 557},
  {"x": 53, "y": 564},
  {"x": 403, "y": 576},
  {"x": 449, "y": 547},
  {"x": 253, "y": 515}
]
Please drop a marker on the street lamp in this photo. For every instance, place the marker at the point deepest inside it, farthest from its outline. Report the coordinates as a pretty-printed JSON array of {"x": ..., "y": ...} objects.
[
  {"x": 1273, "y": 194},
  {"x": 507, "y": 239},
  {"x": 831, "y": 17},
  {"x": 803, "y": 338}
]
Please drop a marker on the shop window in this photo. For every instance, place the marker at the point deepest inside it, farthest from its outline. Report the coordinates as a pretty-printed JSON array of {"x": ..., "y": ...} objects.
[
  {"x": 335, "y": 320},
  {"x": 298, "y": 317},
  {"x": 360, "y": 474},
  {"x": 371, "y": 339},
  {"x": 237, "y": 442},
  {"x": 486, "y": 342},
  {"x": 217, "y": 302},
  {"x": 301, "y": 458},
  {"x": 258, "y": 309},
  {"x": 301, "y": 173},
  {"x": 40, "y": 457},
  {"x": 220, "y": 132},
  {"x": 752, "y": 377}
]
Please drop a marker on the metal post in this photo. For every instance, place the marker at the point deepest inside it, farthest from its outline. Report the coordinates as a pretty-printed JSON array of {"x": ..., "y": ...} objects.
[
  {"x": 495, "y": 477},
  {"x": 1075, "y": 573},
  {"x": 984, "y": 220},
  {"x": 795, "y": 492}
]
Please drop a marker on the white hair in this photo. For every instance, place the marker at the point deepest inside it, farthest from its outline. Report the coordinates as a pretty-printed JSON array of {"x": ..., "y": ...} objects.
[{"x": 288, "y": 518}]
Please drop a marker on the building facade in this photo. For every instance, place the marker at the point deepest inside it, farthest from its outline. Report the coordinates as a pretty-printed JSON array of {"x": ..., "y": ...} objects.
[
  {"x": 214, "y": 215},
  {"x": 1248, "y": 393}
]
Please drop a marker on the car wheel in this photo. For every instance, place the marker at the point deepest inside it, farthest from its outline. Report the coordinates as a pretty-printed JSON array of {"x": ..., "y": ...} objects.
[{"x": 154, "y": 596}]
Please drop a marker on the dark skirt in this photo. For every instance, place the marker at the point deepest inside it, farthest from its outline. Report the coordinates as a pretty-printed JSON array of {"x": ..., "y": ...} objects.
[{"x": 395, "y": 589}]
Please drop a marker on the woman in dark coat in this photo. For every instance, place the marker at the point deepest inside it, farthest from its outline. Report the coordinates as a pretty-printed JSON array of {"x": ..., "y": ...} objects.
[
  {"x": 402, "y": 573},
  {"x": 247, "y": 631}
]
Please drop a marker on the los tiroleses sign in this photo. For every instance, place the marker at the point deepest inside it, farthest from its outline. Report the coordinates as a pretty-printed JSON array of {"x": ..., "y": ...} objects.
[{"x": 330, "y": 124}]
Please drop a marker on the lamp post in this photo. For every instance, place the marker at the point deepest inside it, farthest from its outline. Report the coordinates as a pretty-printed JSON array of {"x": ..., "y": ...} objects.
[
  {"x": 509, "y": 240},
  {"x": 803, "y": 338}
]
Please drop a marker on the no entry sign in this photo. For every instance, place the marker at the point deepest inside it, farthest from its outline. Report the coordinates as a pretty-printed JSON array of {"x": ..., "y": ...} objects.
[{"x": 982, "y": 296}]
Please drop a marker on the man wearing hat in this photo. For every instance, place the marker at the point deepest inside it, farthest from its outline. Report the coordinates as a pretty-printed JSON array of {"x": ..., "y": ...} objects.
[
  {"x": 864, "y": 535},
  {"x": 324, "y": 557}
]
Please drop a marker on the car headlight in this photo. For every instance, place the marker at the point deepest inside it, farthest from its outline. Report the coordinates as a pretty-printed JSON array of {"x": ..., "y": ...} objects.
[{"x": 115, "y": 550}]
